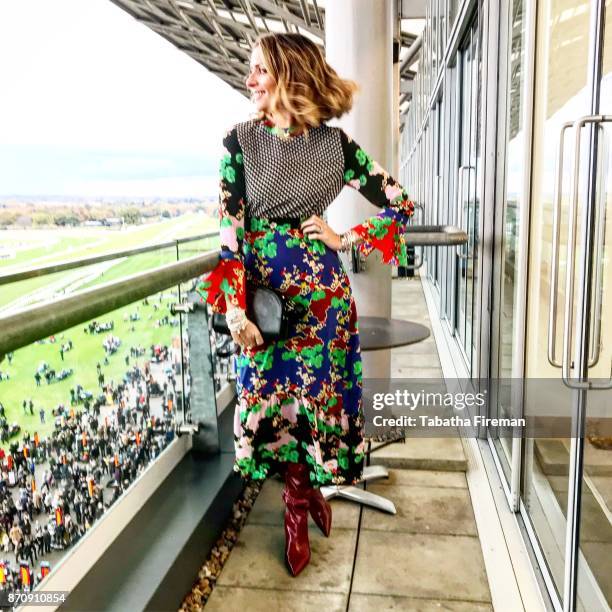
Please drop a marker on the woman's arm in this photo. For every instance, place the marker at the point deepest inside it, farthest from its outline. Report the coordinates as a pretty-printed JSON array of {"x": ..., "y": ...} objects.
[
  {"x": 384, "y": 231},
  {"x": 224, "y": 287}
]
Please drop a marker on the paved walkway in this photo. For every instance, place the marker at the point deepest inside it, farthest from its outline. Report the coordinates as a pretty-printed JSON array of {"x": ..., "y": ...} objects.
[{"x": 427, "y": 557}]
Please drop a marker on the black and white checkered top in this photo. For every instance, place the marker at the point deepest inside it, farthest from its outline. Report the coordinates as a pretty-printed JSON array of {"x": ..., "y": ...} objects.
[{"x": 294, "y": 177}]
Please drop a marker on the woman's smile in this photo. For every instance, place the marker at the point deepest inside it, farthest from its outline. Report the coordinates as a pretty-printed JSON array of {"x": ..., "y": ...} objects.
[
  {"x": 260, "y": 82},
  {"x": 257, "y": 95}
]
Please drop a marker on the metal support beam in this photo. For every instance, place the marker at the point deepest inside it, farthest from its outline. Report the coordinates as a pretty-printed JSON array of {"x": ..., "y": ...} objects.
[
  {"x": 411, "y": 55},
  {"x": 220, "y": 33},
  {"x": 292, "y": 18}
]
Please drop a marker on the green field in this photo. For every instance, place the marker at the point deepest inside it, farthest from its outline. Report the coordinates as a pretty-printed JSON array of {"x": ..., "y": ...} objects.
[
  {"x": 27, "y": 255},
  {"x": 66, "y": 245},
  {"x": 88, "y": 349},
  {"x": 86, "y": 353}
]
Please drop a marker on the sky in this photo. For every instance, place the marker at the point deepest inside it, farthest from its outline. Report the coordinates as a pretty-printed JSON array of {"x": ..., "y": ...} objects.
[{"x": 93, "y": 103}]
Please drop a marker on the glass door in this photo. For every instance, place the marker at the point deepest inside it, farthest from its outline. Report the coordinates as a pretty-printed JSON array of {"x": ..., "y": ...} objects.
[
  {"x": 434, "y": 258},
  {"x": 468, "y": 157},
  {"x": 449, "y": 152},
  {"x": 565, "y": 480},
  {"x": 594, "y": 515},
  {"x": 510, "y": 249}
]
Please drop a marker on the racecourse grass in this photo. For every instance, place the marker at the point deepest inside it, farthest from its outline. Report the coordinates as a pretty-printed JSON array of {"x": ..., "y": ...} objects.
[
  {"x": 88, "y": 349},
  {"x": 86, "y": 353},
  {"x": 105, "y": 240},
  {"x": 25, "y": 256}
]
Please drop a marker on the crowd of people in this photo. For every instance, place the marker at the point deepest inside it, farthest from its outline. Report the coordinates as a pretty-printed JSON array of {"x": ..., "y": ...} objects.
[
  {"x": 6, "y": 375},
  {"x": 64, "y": 348},
  {"x": 111, "y": 344},
  {"x": 7, "y": 430},
  {"x": 52, "y": 490},
  {"x": 95, "y": 327}
]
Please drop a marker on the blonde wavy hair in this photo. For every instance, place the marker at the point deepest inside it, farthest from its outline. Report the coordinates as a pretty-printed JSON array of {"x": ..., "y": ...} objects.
[{"x": 307, "y": 87}]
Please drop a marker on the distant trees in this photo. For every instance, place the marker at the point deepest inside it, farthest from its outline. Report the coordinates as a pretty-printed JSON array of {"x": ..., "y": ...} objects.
[
  {"x": 42, "y": 219},
  {"x": 63, "y": 220},
  {"x": 26, "y": 214},
  {"x": 8, "y": 217},
  {"x": 131, "y": 215}
]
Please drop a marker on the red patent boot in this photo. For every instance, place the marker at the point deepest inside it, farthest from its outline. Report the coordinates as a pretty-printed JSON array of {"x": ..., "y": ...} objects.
[
  {"x": 321, "y": 511},
  {"x": 296, "y": 498}
]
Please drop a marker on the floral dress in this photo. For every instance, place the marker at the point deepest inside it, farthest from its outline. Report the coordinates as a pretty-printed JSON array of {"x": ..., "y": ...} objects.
[{"x": 299, "y": 399}]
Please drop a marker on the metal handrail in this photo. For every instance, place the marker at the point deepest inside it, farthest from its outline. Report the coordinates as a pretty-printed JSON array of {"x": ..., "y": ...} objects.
[
  {"x": 434, "y": 235},
  {"x": 40, "y": 321},
  {"x": 13, "y": 277}
]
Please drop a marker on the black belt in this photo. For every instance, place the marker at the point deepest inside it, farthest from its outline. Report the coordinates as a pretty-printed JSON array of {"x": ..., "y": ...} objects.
[{"x": 293, "y": 222}]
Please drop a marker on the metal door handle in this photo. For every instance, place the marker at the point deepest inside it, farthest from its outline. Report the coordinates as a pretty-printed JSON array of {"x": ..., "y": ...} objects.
[
  {"x": 554, "y": 264},
  {"x": 458, "y": 248},
  {"x": 571, "y": 264},
  {"x": 599, "y": 246}
]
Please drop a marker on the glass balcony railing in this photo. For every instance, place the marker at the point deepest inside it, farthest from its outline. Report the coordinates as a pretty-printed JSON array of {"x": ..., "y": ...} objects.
[{"x": 104, "y": 365}]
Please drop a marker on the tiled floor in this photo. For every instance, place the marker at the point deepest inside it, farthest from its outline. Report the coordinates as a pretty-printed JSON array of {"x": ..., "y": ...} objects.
[{"x": 427, "y": 557}]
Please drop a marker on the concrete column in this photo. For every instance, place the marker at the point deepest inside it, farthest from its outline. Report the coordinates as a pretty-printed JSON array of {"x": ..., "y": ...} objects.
[
  {"x": 359, "y": 45},
  {"x": 395, "y": 170},
  {"x": 397, "y": 150}
]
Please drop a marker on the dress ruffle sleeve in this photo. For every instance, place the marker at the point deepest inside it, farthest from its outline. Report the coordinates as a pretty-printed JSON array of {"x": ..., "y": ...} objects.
[
  {"x": 227, "y": 280},
  {"x": 384, "y": 231}
]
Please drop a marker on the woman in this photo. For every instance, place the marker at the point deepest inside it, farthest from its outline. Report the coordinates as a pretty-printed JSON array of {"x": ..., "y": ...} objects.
[{"x": 299, "y": 410}]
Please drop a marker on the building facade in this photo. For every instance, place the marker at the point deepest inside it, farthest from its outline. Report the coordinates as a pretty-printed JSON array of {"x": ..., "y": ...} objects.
[{"x": 507, "y": 136}]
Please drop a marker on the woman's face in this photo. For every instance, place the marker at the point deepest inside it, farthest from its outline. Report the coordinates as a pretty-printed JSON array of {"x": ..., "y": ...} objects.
[{"x": 260, "y": 82}]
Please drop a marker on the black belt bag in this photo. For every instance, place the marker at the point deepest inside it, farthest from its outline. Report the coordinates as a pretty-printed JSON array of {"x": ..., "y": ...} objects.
[{"x": 272, "y": 313}]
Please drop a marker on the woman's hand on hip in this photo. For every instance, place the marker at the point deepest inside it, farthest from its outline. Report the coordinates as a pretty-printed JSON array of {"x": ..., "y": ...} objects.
[
  {"x": 315, "y": 227},
  {"x": 249, "y": 337}
]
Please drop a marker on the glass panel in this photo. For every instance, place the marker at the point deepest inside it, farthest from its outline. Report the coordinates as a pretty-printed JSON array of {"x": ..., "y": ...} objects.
[
  {"x": 453, "y": 6},
  {"x": 463, "y": 181},
  {"x": 467, "y": 181},
  {"x": 508, "y": 336},
  {"x": 440, "y": 184},
  {"x": 84, "y": 412},
  {"x": 426, "y": 55},
  {"x": 434, "y": 40},
  {"x": 560, "y": 95},
  {"x": 472, "y": 178},
  {"x": 474, "y": 311},
  {"x": 450, "y": 218},
  {"x": 595, "y": 585}
]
